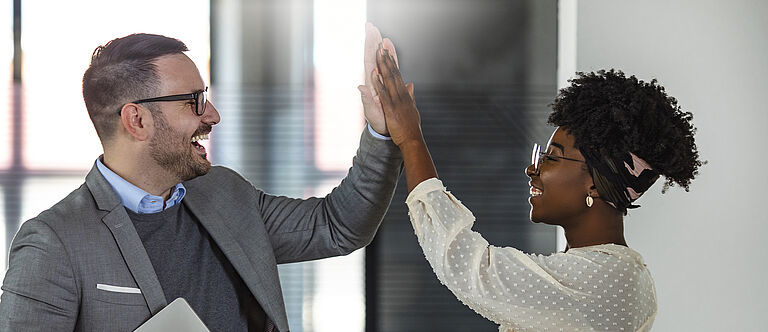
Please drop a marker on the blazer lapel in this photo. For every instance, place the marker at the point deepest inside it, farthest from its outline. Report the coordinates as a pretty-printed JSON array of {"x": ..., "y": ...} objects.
[
  {"x": 128, "y": 241},
  {"x": 263, "y": 282},
  {"x": 136, "y": 258}
]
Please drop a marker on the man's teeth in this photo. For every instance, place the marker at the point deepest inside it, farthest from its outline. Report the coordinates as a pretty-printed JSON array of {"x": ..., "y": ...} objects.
[
  {"x": 200, "y": 138},
  {"x": 535, "y": 191}
]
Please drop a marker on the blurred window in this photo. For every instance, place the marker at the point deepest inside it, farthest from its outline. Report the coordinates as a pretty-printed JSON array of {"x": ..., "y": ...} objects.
[{"x": 58, "y": 144}]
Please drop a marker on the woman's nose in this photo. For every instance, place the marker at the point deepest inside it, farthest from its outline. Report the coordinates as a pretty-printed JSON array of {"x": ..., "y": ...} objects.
[{"x": 531, "y": 171}]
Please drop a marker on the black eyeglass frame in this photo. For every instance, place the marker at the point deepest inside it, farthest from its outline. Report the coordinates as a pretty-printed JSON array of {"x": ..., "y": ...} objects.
[
  {"x": 199, "y": 108},
  {"x": 537, "y": 156}
]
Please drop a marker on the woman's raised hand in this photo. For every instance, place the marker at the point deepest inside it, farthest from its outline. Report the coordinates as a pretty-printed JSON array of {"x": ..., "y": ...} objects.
[
  {"x": 402, "y": 118},
  {"x": 396, "y": 98}
]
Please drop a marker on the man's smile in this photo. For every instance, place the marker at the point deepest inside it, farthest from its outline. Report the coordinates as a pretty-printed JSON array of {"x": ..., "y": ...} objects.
[{"x": 195, "y": 139}]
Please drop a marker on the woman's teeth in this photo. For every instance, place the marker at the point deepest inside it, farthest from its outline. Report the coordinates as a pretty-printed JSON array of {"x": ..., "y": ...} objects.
[{"x": 535, "y": 191}]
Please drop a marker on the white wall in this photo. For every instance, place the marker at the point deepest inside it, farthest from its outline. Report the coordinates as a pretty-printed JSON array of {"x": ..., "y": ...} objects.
[{"x": 704, "y": 247}]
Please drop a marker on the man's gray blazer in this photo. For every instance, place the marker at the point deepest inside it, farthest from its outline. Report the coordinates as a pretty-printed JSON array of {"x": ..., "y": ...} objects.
[{"x": 58, "y": 258}]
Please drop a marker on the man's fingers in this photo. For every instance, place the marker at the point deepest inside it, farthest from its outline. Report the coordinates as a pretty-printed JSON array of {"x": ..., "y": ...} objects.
[
  {"x": 366, "y": 91},
  {"x": 372, "y": 41},
  {"x": 373, "y": 32}
]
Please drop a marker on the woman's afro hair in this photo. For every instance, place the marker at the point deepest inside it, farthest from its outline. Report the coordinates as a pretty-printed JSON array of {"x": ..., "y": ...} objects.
[{"x": 614, "y": 114}]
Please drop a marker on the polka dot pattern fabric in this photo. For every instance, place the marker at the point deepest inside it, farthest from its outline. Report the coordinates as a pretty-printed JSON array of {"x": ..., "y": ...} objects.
[{"x": 597, "y": 288}]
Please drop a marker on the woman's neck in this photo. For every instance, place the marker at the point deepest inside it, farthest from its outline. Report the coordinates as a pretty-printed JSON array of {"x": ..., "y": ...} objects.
[{"x": 601, "y": 225}]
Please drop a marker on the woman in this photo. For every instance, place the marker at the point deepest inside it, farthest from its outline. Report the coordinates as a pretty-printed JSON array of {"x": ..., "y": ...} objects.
[{"x": 615, "y": 135}]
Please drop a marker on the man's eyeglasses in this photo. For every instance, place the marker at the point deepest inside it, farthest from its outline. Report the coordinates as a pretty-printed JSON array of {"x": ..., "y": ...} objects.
[
  {"x": 198, "y": 96},
  {"x": 538, "y": 157}
]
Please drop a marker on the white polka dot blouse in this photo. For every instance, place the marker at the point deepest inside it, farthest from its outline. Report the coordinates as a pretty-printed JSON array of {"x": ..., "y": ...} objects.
[{"x": 597, "y": 288}]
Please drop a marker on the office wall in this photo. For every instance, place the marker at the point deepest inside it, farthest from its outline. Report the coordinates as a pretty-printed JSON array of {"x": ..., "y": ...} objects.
[{"x": 704, "y": 247}]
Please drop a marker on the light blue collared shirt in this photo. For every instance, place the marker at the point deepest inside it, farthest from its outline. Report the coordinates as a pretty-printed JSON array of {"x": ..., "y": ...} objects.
[{"x": 135, "y": 198}]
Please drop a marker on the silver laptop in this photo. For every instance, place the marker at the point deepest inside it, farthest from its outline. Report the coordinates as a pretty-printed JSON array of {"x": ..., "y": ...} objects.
[{"x": 177, "y": 316}]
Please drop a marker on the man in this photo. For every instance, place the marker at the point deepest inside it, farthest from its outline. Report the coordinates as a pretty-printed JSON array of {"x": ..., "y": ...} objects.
[{"x": 154, "y": 221}]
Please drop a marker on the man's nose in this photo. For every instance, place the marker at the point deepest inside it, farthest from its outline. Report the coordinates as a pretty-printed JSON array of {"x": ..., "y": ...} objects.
[{"x": 210, "y": 114}]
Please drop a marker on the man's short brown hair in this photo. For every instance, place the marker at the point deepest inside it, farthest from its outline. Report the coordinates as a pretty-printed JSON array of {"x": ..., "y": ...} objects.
[{"x": 121, "y": 71}]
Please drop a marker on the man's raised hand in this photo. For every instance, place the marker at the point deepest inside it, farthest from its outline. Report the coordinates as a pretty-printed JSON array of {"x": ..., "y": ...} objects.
[{"x": 372, "y": 110}]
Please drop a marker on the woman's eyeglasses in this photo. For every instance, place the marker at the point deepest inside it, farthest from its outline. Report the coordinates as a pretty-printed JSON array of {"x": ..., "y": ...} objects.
[{"x": 538, "y": 157}]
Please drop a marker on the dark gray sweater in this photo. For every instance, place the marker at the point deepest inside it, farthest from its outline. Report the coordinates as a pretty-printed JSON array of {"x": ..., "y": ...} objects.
[{"x": 189, "y": 264}]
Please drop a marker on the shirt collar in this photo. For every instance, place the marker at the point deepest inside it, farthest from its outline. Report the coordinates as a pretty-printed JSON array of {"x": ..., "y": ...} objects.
[{"x": 135, "y": 198}]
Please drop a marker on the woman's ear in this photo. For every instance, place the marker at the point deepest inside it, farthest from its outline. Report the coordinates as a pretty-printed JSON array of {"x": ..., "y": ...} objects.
[{"x": 592, "y": 192}]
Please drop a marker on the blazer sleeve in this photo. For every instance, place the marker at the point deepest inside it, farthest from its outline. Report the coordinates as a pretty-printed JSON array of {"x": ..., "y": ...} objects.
[
  {"x": 344, "y": 220},
  {"x": 39, "y": 289}
]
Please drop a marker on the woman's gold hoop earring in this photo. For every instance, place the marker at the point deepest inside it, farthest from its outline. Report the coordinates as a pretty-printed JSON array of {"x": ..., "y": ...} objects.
[{"x": 590, "y": 201}]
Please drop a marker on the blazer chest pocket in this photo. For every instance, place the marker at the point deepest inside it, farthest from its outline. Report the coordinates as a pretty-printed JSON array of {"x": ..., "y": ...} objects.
[{"x": 116, "y": 294}]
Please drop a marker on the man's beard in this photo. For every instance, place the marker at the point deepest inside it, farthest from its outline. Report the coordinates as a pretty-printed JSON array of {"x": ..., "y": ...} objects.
[{"x": 173, "y": 151}]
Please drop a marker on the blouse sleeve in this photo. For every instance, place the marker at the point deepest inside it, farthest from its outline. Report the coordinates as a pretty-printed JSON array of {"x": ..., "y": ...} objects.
[{"x": 504, "y": 285}]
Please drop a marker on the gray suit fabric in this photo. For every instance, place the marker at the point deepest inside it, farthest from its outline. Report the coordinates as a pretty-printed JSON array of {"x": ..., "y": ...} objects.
[{"x": 58, "y": 258}]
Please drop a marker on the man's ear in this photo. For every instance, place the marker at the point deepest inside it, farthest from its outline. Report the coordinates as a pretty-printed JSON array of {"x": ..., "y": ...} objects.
[{"x": 136, "y": 120}]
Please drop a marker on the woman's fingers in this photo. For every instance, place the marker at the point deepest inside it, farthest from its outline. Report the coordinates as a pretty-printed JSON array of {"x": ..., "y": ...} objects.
[
  {"x": 391, "y": 75},
  {"x": 391, "y": 47},
  {"x": 383, "y": 95},
  {"x": 387, "y": 71}
]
